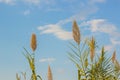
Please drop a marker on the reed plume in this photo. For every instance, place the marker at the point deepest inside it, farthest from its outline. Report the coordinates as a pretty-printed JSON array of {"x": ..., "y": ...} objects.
[
  {"x": 31, "y": 57},
  {"x": 92, "y": 48},
  {"x": 33, "y": 43},
  {"x": 114, "y": 56},
  {"x": 49, "y": 73},
  {"x": 76, "y": 32}
]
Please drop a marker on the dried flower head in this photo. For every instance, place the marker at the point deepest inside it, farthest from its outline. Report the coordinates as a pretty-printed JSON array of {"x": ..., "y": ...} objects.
[
  {"x": 49, "y": 73},
  {"x": 76, "y": 32},
  {"x": 92, "y": 48},
  {"x": 33, "y": 43},
  {"x": 114, "y": 56}
]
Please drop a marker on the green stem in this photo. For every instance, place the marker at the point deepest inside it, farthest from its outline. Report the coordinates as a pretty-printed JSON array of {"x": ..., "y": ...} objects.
[
  {"x": 81, "y": 60},
  {"x": 79, "y": 76},
  {"x": 34, "y": 76}
]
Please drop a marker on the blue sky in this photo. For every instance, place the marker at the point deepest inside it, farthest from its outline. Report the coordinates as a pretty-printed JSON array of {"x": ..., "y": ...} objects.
[{"x": 51, "y": 20}]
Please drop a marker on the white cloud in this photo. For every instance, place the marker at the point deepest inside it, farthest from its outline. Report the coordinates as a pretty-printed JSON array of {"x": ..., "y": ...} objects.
[
  {"x": 35, "y": 2},
  {"x": 103, "y": 26},
  {"x": 97, "y": 1},
  {"x": 47, "y": 60},
  {"x": 115, "y": 41},
  {"x": 80, "y": 16},
  {"x": 11, "y": 2},
  {"x": 108, "y": 47},
  {"x": 39, "y": 2},
  {"x": 54, "y": 9},
  {"x": 56, "y": 30},
  {"x": 31, "y": 2},
  {"x": 26, "y": 12},
  {"x": 61, "y": 71}
]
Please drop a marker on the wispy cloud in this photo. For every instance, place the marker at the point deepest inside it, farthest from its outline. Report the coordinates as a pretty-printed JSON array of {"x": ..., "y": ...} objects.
[
  {"x": 34, "y": 2},
  {"x": 97, "y": 1},
  {"x": 56, "y": 30},
  {"x": 54, "y": 10},
  {"x": 61, "y": 71},
  {"x": 80, "y": 16},
  {"x": 11, "y": 2},
  {"x": 31, "y": 2},
  {"x": 26, "y": 12},
  {"x": 109, "y": 47},
  {"x": 103, "y": 26},
  {"x": 47, "y": 60},
  {"x": 115, "y": 41},
  {"x": 39, "y": 3}
]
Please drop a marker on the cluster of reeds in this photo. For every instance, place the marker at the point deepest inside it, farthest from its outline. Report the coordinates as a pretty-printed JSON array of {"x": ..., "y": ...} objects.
[
  {"x": 91, "y": 64},
  {"x": 31, "y": 60}
]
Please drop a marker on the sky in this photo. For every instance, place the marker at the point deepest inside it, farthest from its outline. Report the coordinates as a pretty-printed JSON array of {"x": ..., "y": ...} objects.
[{"x": 51, "y": 21}]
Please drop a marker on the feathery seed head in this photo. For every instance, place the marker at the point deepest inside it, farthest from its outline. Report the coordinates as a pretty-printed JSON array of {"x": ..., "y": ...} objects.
[
  {"x": 33, "y": 43},
  {"x": 92, "y": 46},
  {"x": 76, "y": 32},
  {"x": 49, "y": 73},
  {"x": 114, "y": 56}
]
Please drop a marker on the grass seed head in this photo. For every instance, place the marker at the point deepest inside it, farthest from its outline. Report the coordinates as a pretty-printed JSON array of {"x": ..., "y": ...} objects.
[
  {"x": 33, "y": 43},
  {"x": 92, "y": 48},
  {"x": 76, "y": 32},
  {"x": 114, "y": 56},
  {"x": 49, "y": 73}
]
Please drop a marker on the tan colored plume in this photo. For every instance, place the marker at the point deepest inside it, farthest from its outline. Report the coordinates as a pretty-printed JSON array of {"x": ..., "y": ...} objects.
[
  {"x": 114, "y": 56},
  {"x": 33, "y": 43},
  {"x": 49, "y": 73},
  {"x": 92, "y": 48},
  {"x": 76, "y": 32}
]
